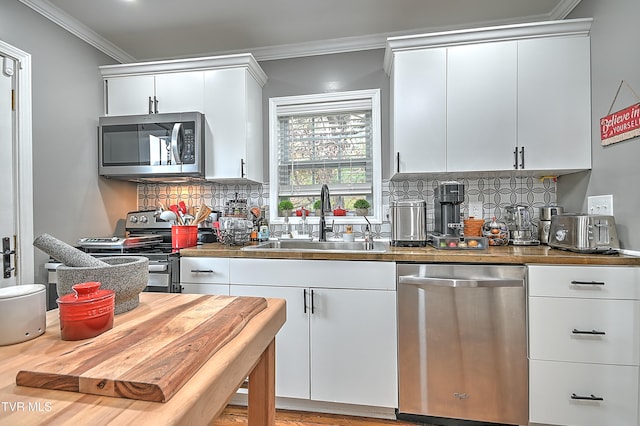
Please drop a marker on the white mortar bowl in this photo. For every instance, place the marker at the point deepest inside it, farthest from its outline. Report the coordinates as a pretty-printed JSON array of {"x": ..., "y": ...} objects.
[{"x": 127, "y": 276}]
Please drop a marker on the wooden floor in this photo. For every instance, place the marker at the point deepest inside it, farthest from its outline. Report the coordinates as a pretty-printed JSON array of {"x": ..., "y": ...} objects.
[{"x": 235, "y": 416}]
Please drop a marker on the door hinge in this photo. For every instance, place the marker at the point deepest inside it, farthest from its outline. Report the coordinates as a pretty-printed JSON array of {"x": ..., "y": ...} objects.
[
  {"x": 13, "y": 100},
  {"x": 7, "y": 252}
]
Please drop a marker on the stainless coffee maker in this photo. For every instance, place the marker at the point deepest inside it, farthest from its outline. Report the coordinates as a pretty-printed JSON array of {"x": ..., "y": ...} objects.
[{"x": 447, "y": 198}]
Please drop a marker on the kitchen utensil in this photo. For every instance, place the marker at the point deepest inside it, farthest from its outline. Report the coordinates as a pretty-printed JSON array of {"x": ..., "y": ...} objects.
[
  {"x": 88, "y": 312},
  {"x": 127, "y": 276},
  {"x": 339, "y": 212},
  {"x": 22, "y": 313},
  {"x": 168, "y": 216},
  {"x": 203, "y": 213},
  {"x": 150, "y": 358},
  {"x": 176, "y": 210},
  {"x": 183, "y": 207},
  {"x": 65, "y": 253}
]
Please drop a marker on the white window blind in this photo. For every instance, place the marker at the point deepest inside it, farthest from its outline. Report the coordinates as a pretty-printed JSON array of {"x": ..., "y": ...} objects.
[{"x": 320, "y": 141}]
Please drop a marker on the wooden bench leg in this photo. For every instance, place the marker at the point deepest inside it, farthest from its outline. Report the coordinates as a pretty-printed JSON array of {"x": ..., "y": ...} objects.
[{"x": 262, "y": 389}]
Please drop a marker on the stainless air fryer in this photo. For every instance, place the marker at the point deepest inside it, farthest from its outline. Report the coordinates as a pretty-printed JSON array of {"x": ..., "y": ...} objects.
[{"x": 409, "y": 223}]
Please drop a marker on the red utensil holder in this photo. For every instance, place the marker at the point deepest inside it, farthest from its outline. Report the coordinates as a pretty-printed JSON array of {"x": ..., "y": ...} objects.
[{"x": 183, "y": 236}]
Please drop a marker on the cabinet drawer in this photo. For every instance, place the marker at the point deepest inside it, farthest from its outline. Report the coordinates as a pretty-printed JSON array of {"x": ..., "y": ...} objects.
[
  {"x": 204, "y": 270},
  {"x": 559, "y": 330},
  {"x": 597, "y": 282},
  {"x": 370, "y": 275},
  {"x": 552, "y": 384}
]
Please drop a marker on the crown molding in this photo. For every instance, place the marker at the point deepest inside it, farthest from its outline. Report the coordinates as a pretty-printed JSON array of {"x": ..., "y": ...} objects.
[
  {"x": 563, "y": 9},
  {"x": 575, "y": 27},
  {"x": 241, "y": 60},
  {"x": 77, "y": 28},
  {"x": 286, "y": 51}
]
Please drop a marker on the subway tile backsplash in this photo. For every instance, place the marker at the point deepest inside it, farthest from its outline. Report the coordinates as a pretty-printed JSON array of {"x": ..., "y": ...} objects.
[{"x": 495, "y": 193}]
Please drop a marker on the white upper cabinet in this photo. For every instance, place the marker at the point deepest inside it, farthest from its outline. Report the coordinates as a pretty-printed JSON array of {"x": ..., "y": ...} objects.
[
  {"x": 554, "y": 103},
  {"x": 233, "y": 110},
  {"x": 226, "y": 89},
  {"x": 499, "y": 99},
  {"x": 481, "y": 106},
  {"x": 418, "y": 111},
  {"x": 153, "y": 94}
]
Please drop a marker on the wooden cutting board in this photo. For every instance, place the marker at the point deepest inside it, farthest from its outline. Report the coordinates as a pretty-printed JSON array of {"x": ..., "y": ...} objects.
[{"x": 150, "y": 358}]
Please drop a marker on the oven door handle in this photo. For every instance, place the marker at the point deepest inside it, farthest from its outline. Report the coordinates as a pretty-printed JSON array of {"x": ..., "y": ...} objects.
[
  {"x": 158, "y": 268},
  {"x": 455, "y": 282}
]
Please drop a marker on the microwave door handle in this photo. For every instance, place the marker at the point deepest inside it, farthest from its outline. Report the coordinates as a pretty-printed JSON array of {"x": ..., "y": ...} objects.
[{"x": 177, "y": 140}]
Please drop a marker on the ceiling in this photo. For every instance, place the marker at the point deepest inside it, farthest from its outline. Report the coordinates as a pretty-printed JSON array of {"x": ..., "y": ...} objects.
[{"x": 142, "y": 30}]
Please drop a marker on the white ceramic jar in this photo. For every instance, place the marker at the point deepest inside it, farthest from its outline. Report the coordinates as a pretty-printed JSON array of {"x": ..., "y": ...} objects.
[{"x": 22, "y": 313}]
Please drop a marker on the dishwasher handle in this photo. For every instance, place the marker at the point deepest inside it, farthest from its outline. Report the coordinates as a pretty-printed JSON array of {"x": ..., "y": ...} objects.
[{"x": 459, "y": 282}]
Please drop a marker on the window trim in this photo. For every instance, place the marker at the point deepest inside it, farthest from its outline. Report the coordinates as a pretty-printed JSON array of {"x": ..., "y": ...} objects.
[{"x": 297, "y": 103}]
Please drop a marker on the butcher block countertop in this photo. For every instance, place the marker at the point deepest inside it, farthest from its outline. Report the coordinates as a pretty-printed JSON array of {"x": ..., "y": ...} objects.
[
  {"x": 247, "y": 351},
  {"x": 507, "y": 254}
]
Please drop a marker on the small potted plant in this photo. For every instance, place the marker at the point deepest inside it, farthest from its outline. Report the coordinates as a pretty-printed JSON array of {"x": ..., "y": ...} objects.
[
  {"x": 362, "y": 207},
  {"x": 316, "y": 207},
  {"x": 285, "y": 207}
]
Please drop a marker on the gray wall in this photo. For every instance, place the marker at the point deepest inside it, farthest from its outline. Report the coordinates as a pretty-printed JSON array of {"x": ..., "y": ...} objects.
[
  {"x": 325, "y": 74},
  {"x": 614, "y": 57},
  {"x": 70, "y": 200}
]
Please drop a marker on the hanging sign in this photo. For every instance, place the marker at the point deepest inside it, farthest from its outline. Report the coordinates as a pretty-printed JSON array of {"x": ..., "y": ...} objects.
[{"x": 621, "y": 125}]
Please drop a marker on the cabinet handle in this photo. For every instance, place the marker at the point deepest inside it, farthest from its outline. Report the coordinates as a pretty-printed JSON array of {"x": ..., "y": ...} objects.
[
  {"x": 515, "y": 158},
  {"x": 155, "y": 105},
  {"x": 150, "y": 105},
  {"x": 398, "y": 162},
  {"x": 242, "y": 168},
  {"x": 304, "y": 300},
  {"x": 312, "y": 307},
  {"x": 574, "y": 282},
  {"x": 206, "y": 271},
  {"x": 591, "y": 397},
  {"x": 592, "y": 332},
  {"x": 522, "y": 158}
]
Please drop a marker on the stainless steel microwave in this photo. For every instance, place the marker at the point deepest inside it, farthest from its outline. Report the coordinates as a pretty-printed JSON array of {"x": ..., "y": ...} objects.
[{"x": 154, "y": 147}]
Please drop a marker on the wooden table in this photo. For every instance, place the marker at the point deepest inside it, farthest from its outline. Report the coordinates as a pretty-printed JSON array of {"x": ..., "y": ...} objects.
[{"x": 251, "y": 353}]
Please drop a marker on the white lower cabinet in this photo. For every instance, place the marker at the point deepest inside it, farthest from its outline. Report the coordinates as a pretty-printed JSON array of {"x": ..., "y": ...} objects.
[
  {"x": 339, "y": 341},
  {"x": 584, "y": 345},
  {"x": 292, "y": 341},
  {"x": 564, "y": 393},
  {"x": 204, "y": 275}
]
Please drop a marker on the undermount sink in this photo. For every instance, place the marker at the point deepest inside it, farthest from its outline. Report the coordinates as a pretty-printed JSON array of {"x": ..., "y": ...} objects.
[{"x": 318, "y": 246}]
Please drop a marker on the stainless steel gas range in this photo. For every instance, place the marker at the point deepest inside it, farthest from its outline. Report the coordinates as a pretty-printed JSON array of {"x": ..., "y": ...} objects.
[{"x": 145, "y": 235}]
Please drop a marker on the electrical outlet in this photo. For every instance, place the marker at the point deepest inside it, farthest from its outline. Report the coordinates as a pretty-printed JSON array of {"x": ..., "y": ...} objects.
[
  {"x": 475, "y": 209},
  {"x": 600, "y": 204}
]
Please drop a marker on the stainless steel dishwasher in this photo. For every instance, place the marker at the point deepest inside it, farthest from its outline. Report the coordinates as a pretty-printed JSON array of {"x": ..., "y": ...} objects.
[{"x": 462, "y": 344}]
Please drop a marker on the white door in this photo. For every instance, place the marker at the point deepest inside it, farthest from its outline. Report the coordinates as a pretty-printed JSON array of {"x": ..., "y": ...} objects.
[
  {"x": 292, "y": 341},
  {"x": 481, "y": 106},
  {"x": 353, "y": 347},
  {"x": 7, "y": 182},
  {"x": 130, "y": 95},
  {"x": 16, "y": 176}
]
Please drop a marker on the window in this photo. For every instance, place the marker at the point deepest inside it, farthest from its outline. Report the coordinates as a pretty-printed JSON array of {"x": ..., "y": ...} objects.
[{"x": 331, "y": 138}]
